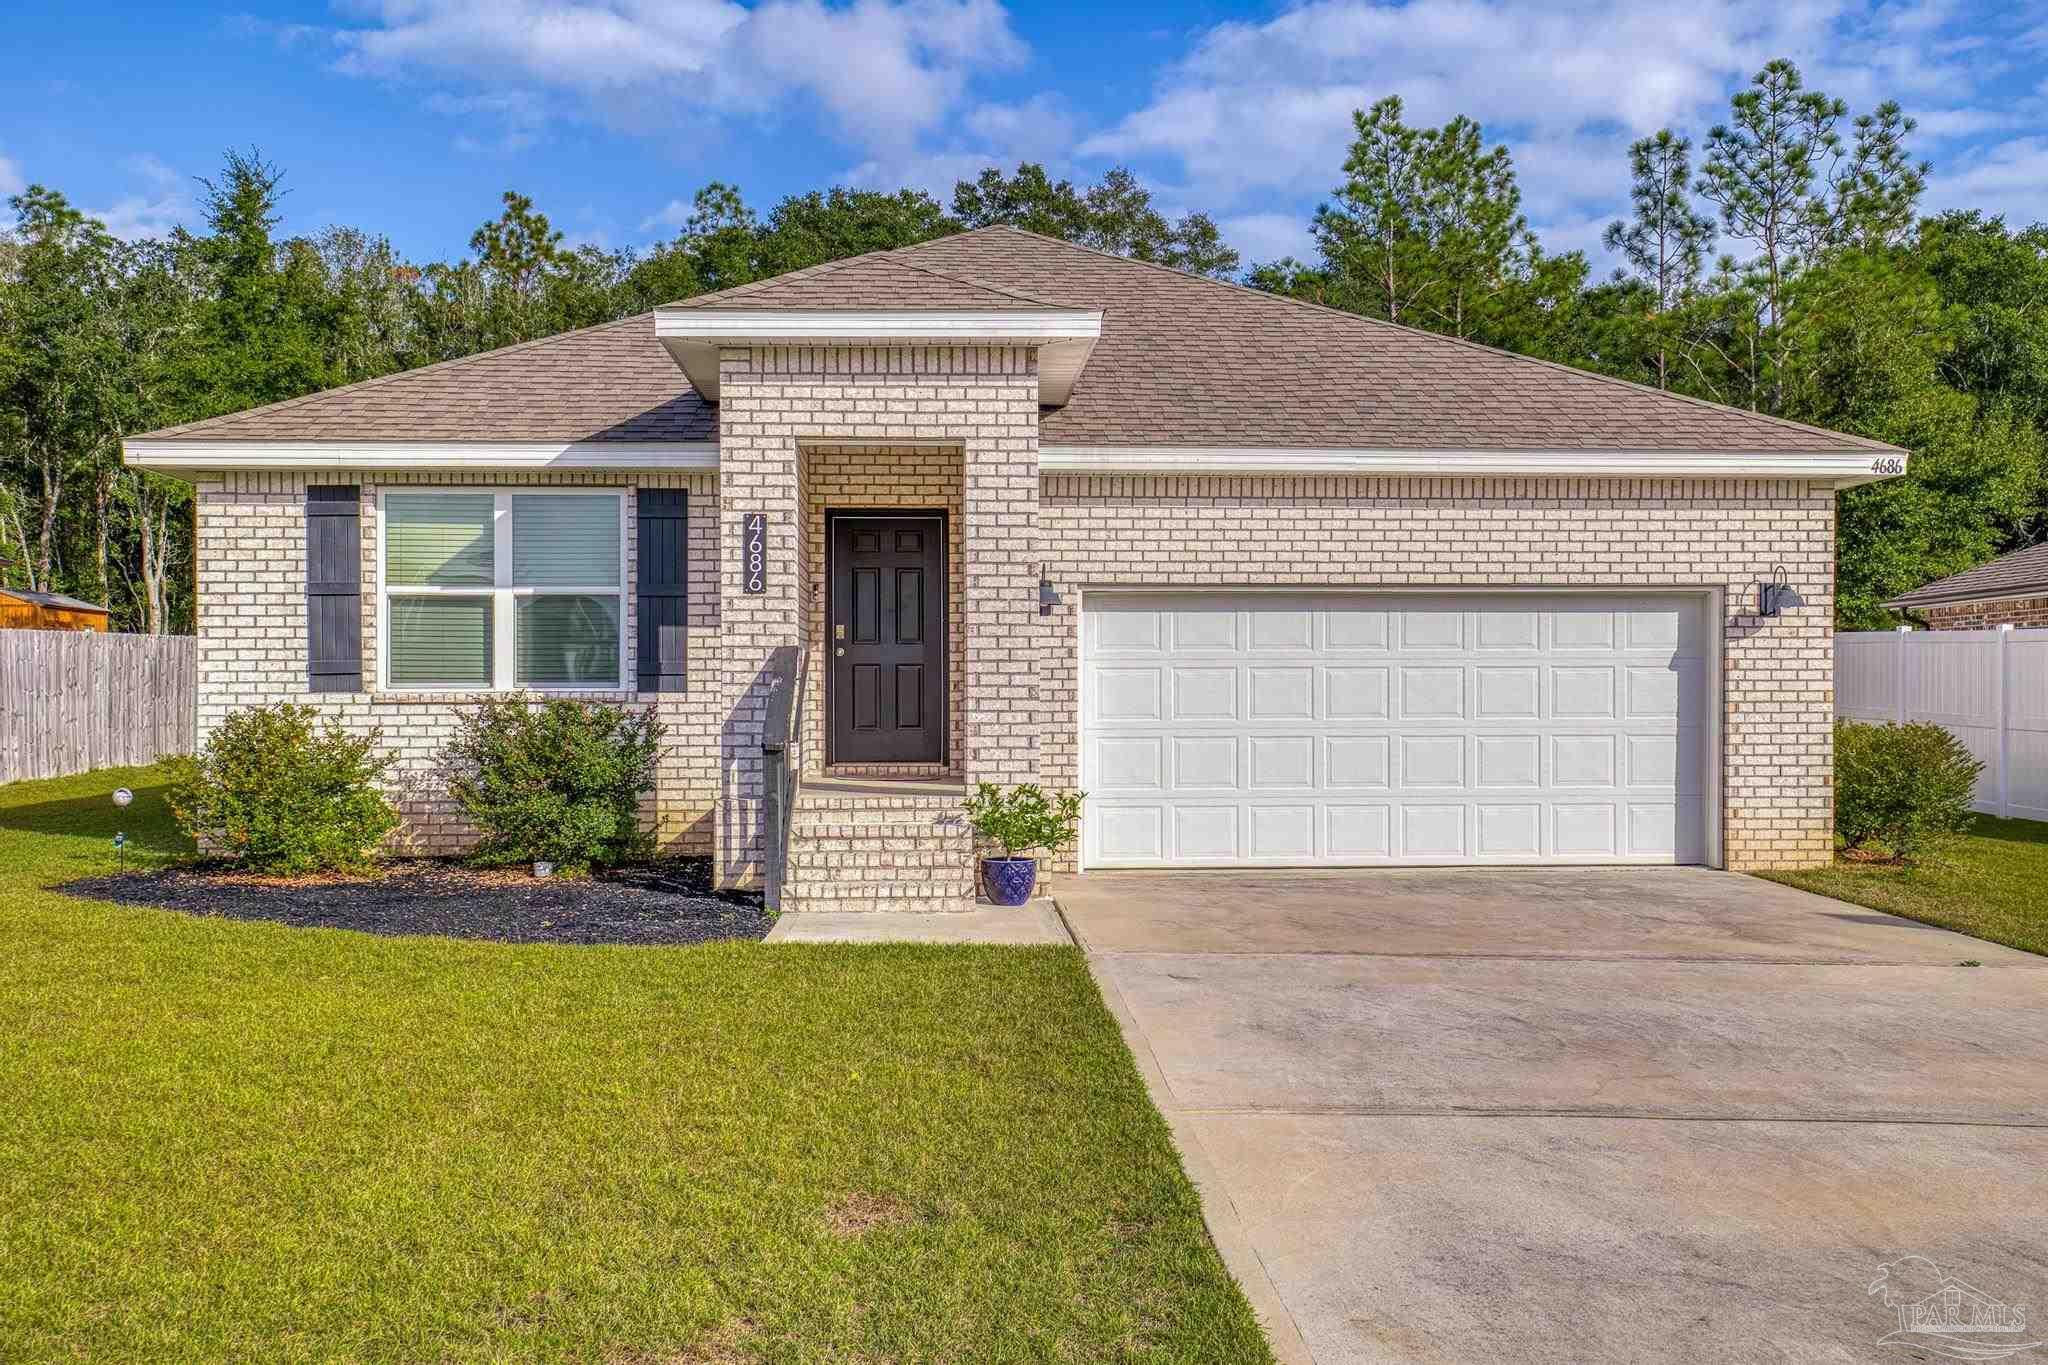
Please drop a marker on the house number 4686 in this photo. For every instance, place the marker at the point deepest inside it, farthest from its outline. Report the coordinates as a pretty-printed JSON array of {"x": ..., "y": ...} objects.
[{"x": 754, "y": 552}]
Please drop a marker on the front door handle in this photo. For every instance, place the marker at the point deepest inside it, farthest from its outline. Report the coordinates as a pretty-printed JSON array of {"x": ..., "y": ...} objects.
[{"x": 840, "y": 652}]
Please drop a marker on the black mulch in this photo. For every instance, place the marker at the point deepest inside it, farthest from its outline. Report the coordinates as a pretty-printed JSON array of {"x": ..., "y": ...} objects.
[{"x": 661, "y": 903}]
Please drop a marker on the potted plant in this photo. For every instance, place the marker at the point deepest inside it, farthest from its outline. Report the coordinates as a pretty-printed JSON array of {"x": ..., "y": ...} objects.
[{"x": 1018, "y": 821}]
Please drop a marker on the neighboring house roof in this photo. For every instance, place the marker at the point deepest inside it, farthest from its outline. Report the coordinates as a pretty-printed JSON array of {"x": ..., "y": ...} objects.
[
  {"x": 1183, "y": 361},
  {"x": 55, "y": 600},
  {"x": 2023, "y": 573}
]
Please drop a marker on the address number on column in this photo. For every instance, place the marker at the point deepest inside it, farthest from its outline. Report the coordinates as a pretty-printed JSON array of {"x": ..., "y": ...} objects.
[{"x": 754, "y": 552}]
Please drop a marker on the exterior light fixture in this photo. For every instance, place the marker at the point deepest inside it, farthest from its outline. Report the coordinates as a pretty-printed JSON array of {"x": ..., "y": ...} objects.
[
  {"x": 1048, "y": 597},
  {"x": 1774, "y": 597}
]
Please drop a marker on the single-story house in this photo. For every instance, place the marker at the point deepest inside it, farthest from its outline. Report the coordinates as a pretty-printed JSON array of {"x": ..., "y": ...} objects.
[
  {"x": 1275, "y": 584},
  {"x": 2012, "y": 590}
]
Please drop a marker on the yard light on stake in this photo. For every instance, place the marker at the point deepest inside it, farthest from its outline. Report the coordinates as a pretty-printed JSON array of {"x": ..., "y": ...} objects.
[
  {"x": 1774, "y": 597},
  {"x": 122, "y": 796}
]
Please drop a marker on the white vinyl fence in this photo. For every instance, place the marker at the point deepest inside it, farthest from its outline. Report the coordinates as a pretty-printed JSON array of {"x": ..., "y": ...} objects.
[
  {"x": 1988, "y": 688},
  {"x": 72, "y": 701}
]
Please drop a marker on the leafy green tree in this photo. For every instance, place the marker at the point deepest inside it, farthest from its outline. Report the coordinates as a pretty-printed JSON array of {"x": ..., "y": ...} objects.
[
  {"x": 1665, "y": 242},
  {"x": 1116, "y": 214},
  {"x": 60, "y": 366},
  {"x": 1427, "y": 230},
  {"x": 266, "y": 311},
  {"x": 1869, "y": 361}
]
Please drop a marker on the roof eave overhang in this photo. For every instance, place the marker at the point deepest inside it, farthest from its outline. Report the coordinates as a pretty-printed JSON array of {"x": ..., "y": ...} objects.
[
  {"x": 1962, "y": 599},
  {"x": 1064, "y": 339},
  {"x": 176, "y": 457},
  {"x": 1841, "y": 469}
]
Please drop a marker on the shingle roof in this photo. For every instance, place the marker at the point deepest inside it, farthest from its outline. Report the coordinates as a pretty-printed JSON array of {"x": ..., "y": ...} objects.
[
  {"x": 2022, "y": 573},
  {"x": 612, "y": 382},
  {"x": 878, "y": 280},
  {"x": 1182, "y": 361}
]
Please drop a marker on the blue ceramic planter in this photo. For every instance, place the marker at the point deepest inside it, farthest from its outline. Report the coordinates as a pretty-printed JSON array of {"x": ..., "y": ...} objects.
[{"x": 1009, "y": 880}]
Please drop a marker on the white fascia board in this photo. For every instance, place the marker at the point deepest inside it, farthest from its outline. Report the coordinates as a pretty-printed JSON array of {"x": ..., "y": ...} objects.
[
  {"x": 377, "y": 455},
  {"x": 1841, "y": 468},
  {"x": 741, "y": 326}
]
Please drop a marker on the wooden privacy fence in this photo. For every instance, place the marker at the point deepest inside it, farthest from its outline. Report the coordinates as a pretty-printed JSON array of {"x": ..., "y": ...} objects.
[
  {"x": 1988, "y": 688},
  {"x": 72, "y": 701}
]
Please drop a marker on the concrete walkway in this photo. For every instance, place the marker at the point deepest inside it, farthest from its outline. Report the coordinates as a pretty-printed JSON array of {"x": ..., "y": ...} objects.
[
  {"x": 1601, "y": 1115},
  {"x": 1037, "y": 923}
]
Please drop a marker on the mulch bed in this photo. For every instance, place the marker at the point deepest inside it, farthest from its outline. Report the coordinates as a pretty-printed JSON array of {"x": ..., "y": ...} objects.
[{"x": 668, "y": 902}]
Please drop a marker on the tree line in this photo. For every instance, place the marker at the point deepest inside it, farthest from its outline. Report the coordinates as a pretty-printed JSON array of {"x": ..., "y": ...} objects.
[{"x": 1780, "y": 262}]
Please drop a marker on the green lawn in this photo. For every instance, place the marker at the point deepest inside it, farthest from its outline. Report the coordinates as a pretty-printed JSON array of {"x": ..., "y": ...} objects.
[
  {"x": 239, "y": 1141},
  {"x": 1994, "y": 885}
]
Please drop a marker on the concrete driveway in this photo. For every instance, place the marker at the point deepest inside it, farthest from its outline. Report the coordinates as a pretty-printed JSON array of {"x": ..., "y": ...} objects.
[{"x": 1600, "y": 1115}]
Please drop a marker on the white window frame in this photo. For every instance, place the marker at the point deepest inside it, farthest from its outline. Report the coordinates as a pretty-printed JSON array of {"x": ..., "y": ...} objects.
[{"x": 504, "y": 596}]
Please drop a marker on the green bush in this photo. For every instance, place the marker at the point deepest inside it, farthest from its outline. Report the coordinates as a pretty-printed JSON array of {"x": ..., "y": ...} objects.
[
  {"x": 279, "y": 794},
  {"x": 1024, "y": 818},
  {"x": 1907, "y": 788},
  {"x": 554, "y": 781}
]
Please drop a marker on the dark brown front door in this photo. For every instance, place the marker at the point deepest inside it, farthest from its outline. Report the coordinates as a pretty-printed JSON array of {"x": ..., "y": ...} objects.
[{"x": 886, "y": 630}]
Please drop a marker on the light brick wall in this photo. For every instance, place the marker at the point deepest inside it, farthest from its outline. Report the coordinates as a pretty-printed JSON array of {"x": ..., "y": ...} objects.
[
  {"x": 840, "y": 477},
  {"x": 1778, "y": 693},
  {"x": 778, "y": 405},
  {"x": 252, "y": 640}
]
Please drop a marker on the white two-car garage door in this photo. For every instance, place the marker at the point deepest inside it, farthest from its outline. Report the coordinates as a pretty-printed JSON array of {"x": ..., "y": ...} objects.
[{"x": 1235, "y": 729}]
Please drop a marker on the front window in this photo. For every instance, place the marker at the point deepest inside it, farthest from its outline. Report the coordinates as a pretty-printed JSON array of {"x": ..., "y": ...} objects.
[{"x": 501, "y": 590}]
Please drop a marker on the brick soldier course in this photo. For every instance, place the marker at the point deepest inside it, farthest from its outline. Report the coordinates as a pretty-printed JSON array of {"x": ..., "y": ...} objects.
[{"x": 1208, "y": 438}]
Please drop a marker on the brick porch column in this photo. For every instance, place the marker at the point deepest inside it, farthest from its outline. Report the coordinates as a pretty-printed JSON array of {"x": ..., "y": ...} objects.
[
  {"x": 1006, "y": 637},
  {"x": 757, "y": 472}
]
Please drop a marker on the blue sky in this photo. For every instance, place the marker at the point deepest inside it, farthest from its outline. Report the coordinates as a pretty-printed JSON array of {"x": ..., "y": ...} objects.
[{"x": 410, "y": 116}]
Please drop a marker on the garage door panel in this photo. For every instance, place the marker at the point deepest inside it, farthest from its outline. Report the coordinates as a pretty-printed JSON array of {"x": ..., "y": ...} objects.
[
  {"x": 1205, "y": 762},
  {"x": 1350, "y": 629},
  {"x": 1281, "y": 693},
  {"x": 1195, "y": 631},
  {"x": 1203, "y": 694},
  {"x": 1354, "y": 761},
  {"x": 1355, "y": 693},
  {"x": 1289, "y": 729},
  {"x": 1431, "y": 693},
  {"x": 1512, "y": 832},
  {"x": 1282, "y": 833},
  {"x": 1358, "y": 833},
  {"x": 1206, "y": 833}
]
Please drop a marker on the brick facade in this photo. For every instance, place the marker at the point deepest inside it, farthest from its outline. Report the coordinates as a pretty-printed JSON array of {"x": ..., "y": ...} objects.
[
  {"x": 807, "y": 429},
  {"x": 252, "y": 639},
  {"x": 2026, "y": 613},
  {"x": 788, "y": 418}
]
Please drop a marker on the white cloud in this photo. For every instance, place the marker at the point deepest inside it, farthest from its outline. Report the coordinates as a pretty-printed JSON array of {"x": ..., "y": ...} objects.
[
  {"x": 2005, "y": 178},
  {"x": 1259, "y": 112},
  {"x": 1268, "y": 105},
  {"x": 883, "y": 71},
  {"x": 1263, "y": 237},
  {"x": 164, "y": 202},
  {"x": 11, "y": 181}
]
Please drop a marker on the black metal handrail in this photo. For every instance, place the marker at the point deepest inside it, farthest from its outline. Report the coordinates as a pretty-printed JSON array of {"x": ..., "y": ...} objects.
[{"x": 781, "y": 763}]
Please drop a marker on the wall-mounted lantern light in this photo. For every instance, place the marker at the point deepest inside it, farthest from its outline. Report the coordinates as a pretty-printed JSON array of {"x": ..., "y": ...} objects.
[
  {"x": 1774, "y": 597},
  {"x": 1048, "y": 597}
]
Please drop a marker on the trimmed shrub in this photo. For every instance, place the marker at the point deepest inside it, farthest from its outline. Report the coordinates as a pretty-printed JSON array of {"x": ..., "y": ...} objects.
[
  {"x": 1024, "y": 818},
  {"x": 1907, "y": 788},
  {"x": 554, "y": 781},
  {"x": 279, "y": 792}
]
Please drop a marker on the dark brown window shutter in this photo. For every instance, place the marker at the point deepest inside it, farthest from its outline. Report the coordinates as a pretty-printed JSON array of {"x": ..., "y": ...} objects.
[
  {"x": 334, "y": 588},
  {"x": 662, "y": 578}
]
